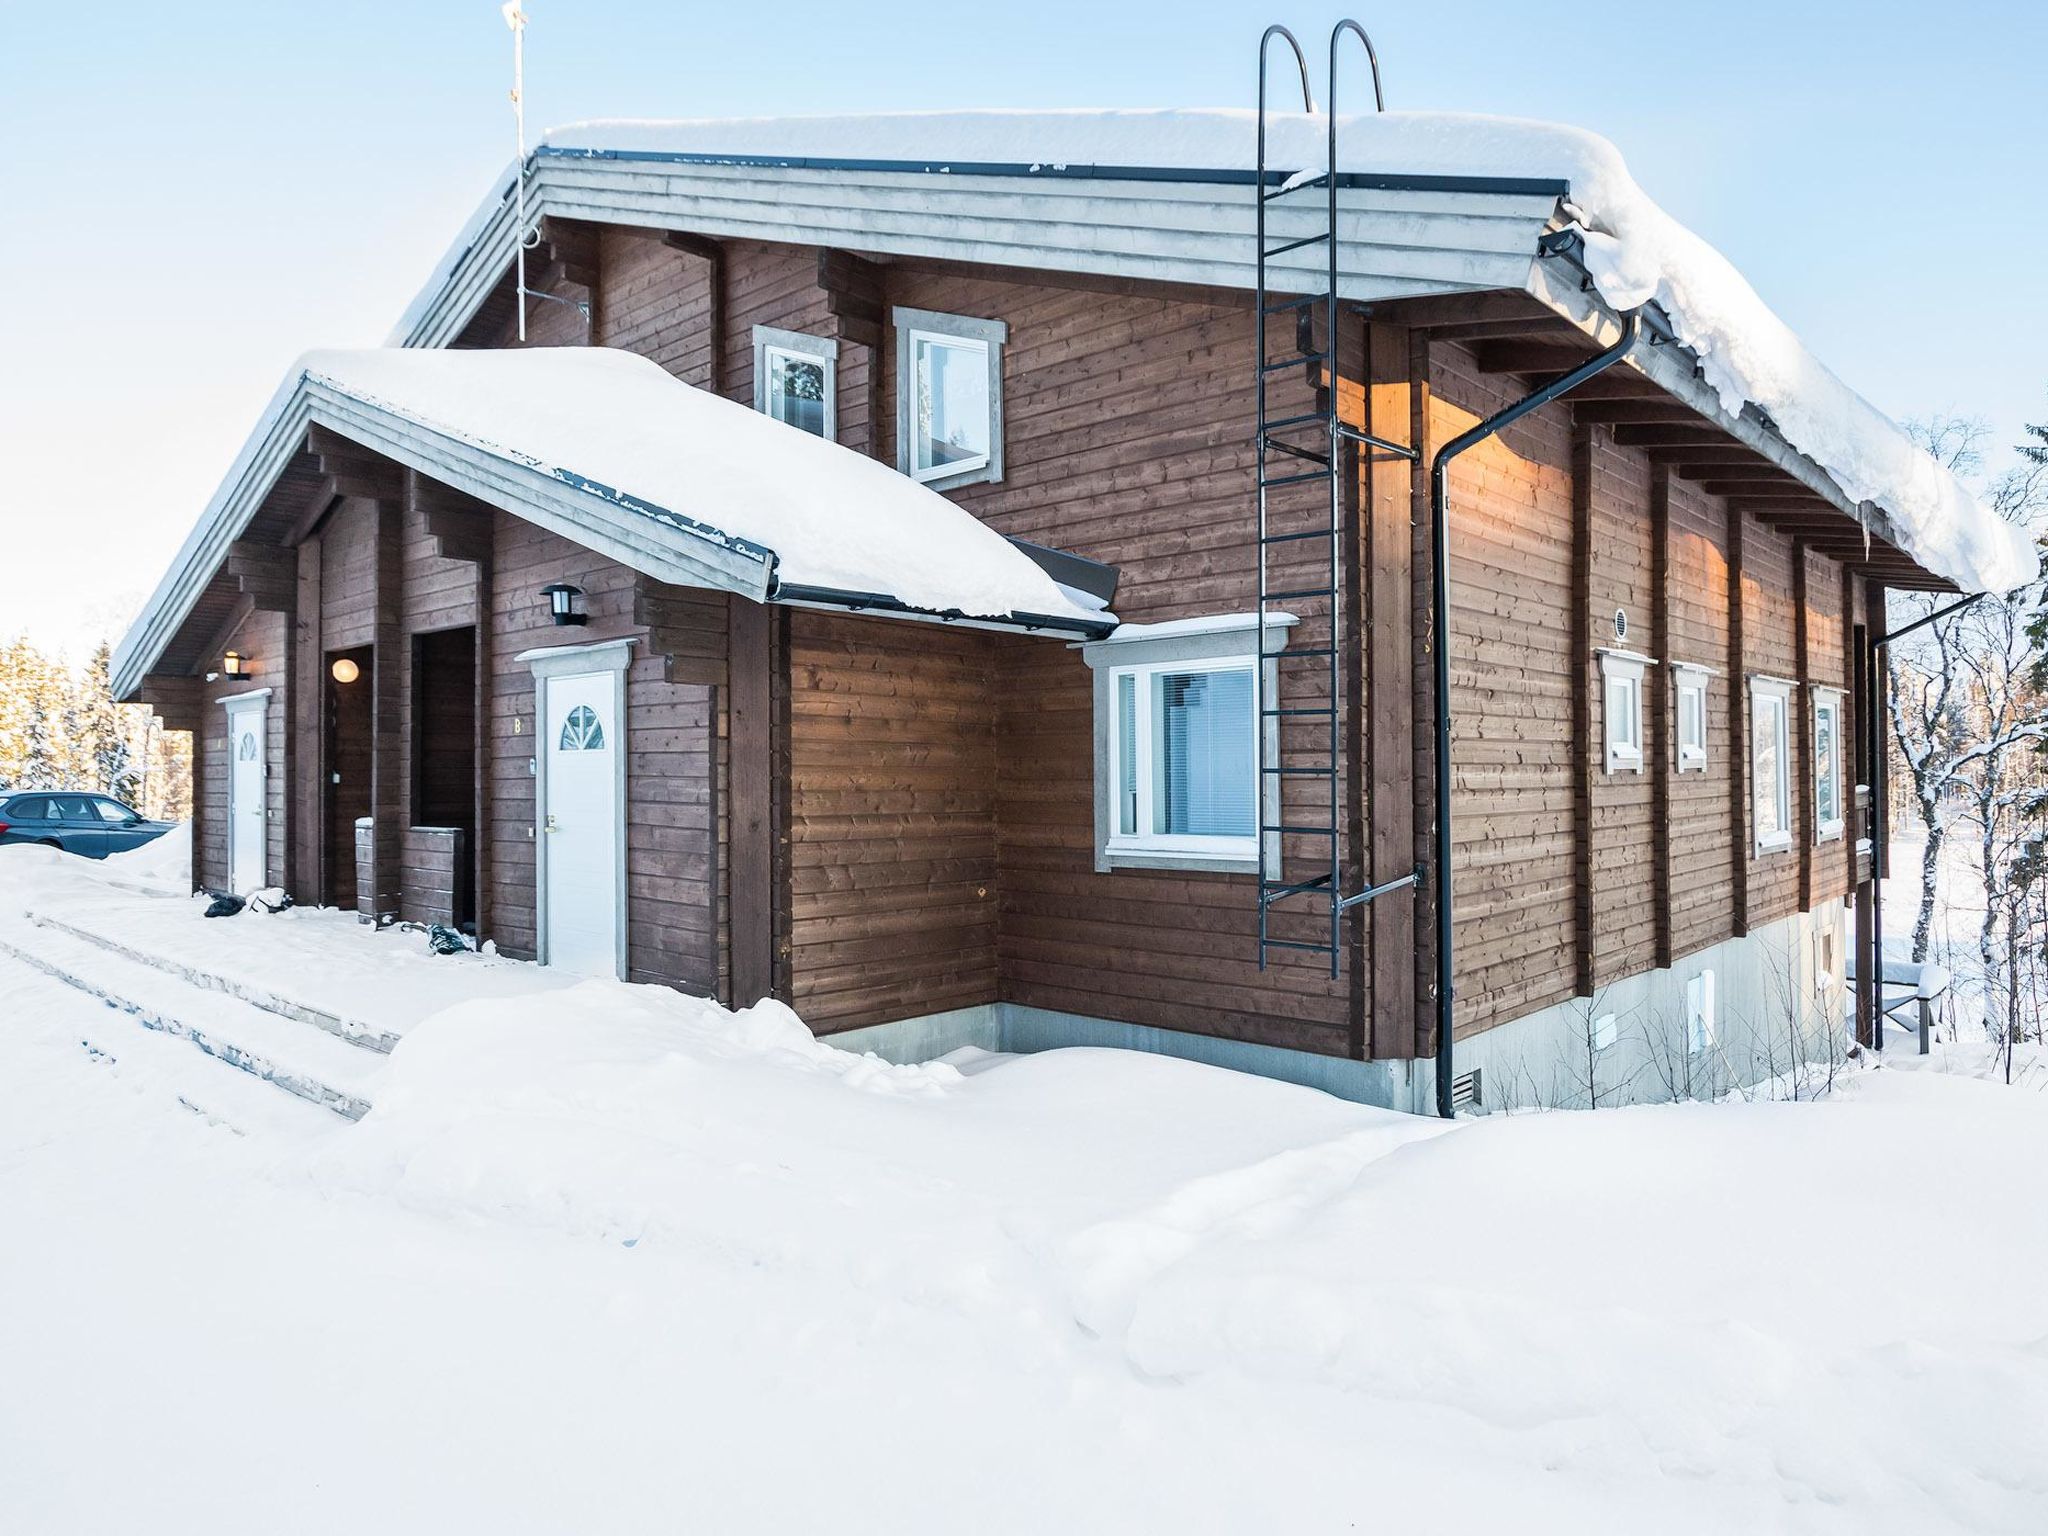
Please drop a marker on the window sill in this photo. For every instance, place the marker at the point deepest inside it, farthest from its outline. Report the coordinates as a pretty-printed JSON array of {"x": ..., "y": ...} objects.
[
  {"x": 1776, "y": 845},
  {"x": 953, "y": 480},
  {"x": 1199, "y": 863},
  {"x": 1831, "y": 833}
]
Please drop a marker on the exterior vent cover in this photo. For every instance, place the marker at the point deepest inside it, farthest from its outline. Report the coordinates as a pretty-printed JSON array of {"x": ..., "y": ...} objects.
[{"x": 1465, "y": 1091}]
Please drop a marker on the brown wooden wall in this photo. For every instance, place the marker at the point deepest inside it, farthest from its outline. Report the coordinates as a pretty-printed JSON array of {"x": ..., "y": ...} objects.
[
  {"x": 935, "y": 835},
  {"x": 893, "y": 751}
]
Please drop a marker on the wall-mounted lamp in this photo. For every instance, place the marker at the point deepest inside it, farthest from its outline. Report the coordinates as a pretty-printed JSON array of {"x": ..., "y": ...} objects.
[
  {"x": 234, "y": 666},
  {"x": 344, "y": 670},
  {"x": 565, "y": 603}
]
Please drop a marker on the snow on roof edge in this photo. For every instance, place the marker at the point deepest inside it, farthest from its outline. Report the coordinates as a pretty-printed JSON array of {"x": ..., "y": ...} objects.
[{"x": 1635, "y": 251}]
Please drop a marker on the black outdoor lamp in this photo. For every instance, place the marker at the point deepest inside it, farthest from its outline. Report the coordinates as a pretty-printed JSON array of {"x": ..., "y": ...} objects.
[
  {"x": 565, "y": 603},
  {"x": 234, "y": 666}
]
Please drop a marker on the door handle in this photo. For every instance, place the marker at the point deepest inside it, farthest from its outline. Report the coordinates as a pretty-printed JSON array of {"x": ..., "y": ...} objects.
[{"x": 550, "y": 824}]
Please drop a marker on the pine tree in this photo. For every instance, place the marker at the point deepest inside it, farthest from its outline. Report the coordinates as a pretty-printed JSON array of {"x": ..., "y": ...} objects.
[{"x": 100, "y": 740}]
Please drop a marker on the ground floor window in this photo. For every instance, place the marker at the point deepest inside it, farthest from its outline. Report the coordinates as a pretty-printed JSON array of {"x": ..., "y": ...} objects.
[
  {"x": 1689, "y": 702},
  {"x": 1770, "y": 759},
  {"x": 1178, "y": 726},
  {"x": 1621, "y": 674},
  {"x": 1827, "y": 764}
]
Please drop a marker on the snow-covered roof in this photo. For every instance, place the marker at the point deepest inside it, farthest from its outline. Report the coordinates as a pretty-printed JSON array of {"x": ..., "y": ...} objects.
[
  {"x": 608, "y": 449},
  {"x": 1435, "y": 202}
]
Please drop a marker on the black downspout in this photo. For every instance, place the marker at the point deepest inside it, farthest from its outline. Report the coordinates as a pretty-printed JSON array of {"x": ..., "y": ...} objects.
[{"x": 1440, "y": 632}]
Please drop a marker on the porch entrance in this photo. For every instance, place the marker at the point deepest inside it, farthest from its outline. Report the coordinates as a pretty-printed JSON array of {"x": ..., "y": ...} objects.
[
  {"x": 248, "y": 746},
  {"x": 346, "y": 794},
  {"x": 580, "y": 809},
  {"x": 444, "y": 750}
]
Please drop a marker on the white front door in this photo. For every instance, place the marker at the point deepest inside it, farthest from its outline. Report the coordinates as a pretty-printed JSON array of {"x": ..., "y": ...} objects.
[
  {"x": 246, "y": 822},
  {"x": 580, "y": 825}
]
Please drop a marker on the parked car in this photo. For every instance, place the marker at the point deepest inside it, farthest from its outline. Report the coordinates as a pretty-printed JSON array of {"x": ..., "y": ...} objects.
[{"x": 88, "y": 824}]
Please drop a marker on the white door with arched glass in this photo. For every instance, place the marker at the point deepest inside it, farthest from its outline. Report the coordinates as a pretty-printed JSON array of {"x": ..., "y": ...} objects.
[
  {"x": 580, "y": 804},
  {"x": 247, "y": 825}
]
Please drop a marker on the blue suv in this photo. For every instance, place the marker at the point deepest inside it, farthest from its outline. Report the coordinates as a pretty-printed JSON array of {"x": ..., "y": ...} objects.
[{"x": 88, "y": 824}]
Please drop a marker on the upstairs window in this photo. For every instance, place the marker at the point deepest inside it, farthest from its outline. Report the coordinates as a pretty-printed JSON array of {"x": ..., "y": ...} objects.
[
  {"x": 1178, "y": 781},
  {"x": 1770, "y": 760},
  {"x": 949, "y": 398},
  {"x": 796, "y": 380},
  {"x": 1621, "y": 675},
  {"x": 1827, "y": 764},
  {"x": 1689, "y": 702}
]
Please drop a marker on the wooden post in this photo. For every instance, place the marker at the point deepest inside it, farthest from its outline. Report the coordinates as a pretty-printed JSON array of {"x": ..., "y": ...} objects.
[
  {"x": 1802, "y": 797},
  {"x": 1662, "y": 738},
  {"x": 1584, "y": 681},
  {"x": 751, "y": 820},
  {"x": 388, "y": 797},
  {"x": 308, "y": 877},
  {"x": 1738, "y": 735},
  {"x": 1386, "y": 755}
]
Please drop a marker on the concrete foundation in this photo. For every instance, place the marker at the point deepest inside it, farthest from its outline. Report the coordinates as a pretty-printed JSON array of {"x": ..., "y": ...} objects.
[{"x": 1777, "y": 1005}]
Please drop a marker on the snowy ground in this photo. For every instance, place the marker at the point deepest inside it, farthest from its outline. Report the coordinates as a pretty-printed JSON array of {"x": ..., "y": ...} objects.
[{"x": 603, "y": 1258}]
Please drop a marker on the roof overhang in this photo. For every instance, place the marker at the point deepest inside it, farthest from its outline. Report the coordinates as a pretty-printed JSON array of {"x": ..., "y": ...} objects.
[
  {"x": 652, "y": 441},
  {"x": 1401, "y": 236}
]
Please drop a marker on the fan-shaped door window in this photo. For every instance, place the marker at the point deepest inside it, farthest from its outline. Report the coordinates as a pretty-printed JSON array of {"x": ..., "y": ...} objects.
[{"x": 582, "y": 731}]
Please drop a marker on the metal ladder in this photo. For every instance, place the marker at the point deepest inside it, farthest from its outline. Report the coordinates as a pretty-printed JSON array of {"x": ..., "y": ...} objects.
[{"x": 1300, "y": 462}]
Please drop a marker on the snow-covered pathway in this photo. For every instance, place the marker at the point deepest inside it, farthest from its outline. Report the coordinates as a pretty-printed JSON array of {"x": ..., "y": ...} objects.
[{"x": 604, "y": 1259}]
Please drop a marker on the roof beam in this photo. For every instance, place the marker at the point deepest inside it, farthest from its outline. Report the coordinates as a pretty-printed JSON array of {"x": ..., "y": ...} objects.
[
  {"x": 267, "y": 575},
  {"x": 1639, "y": 412}
]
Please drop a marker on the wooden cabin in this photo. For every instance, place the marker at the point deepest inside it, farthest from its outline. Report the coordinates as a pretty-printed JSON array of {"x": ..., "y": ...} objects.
[{"x": 517, "y": 650}]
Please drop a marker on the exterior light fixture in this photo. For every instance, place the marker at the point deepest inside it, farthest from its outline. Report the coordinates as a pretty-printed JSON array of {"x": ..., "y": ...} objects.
[
  {"x": 234, "y": 666},
  {"x": 344, "y": 670},
  {"x": 565, "y": 603}
]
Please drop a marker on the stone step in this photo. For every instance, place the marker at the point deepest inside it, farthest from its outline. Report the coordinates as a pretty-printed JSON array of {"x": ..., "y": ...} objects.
[
  {"x": 308, "y": 1062},
  {"x": 354, "y": 1031}
]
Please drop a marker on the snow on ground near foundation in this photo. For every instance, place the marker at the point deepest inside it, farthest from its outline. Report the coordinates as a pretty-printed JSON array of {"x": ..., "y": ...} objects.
[
  {"x": 608, "y": 1258},
  {"x": 601, "y": 417},
  {"x": 1636, "y": 253}
]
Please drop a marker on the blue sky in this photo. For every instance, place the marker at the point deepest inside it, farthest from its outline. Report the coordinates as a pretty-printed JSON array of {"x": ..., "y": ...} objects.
[{"x": 195, "y": 193}]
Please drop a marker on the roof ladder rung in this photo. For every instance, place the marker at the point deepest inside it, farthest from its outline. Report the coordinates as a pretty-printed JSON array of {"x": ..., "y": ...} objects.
[
  {"x": 1308, "y": 454},
  {"x": 1294, "y": 245},
  {"x": 1275, "y": 482},
  {"x": 1318, "y": 949},
  {"x": 1295, "y": 538},
  {"x": 1295, "y": 361},
  {"x": 1281, "y": 597},
  {"x": 1286, "y": 305}
]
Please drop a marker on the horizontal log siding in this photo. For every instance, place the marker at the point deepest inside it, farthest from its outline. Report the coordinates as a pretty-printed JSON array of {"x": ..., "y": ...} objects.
[
  {"x": 1127, "y": 439},
  {"x": 892, "y": 744},
  {"x": 1827, "y": 662},
  {"x": 1770, "y": 646},
  {"x": 1701, "y": 835},
  {"x": 262, "y": 638},
  {"x": 1514, "y": 675},
  {"x": 656, "y": 301},
  {"x": 671, "y": 858},
  {"x": 1623, "y": 831}
]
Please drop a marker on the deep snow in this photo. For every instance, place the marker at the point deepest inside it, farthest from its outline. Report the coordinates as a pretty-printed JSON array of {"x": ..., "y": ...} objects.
[{"x": 608, "y": 1258}]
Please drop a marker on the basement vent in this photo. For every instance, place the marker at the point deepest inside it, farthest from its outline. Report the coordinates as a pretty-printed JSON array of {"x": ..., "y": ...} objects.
[{"x": 1465, "y": 1091}]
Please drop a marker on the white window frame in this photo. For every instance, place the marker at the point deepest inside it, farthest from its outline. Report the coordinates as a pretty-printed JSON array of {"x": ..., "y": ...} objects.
[
  {"x": 914, "y": 326},
  {"x": 1689, "y": 680},
  {"x": 772, "y": 341},
  {"x": 1776, "y": 692},
  {"x": 1828, "y": 701},
  {"x": 1623, "y": 671},
  {"x": 1140, "y": 840},
  {"x": 1144, "y": 653}
]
